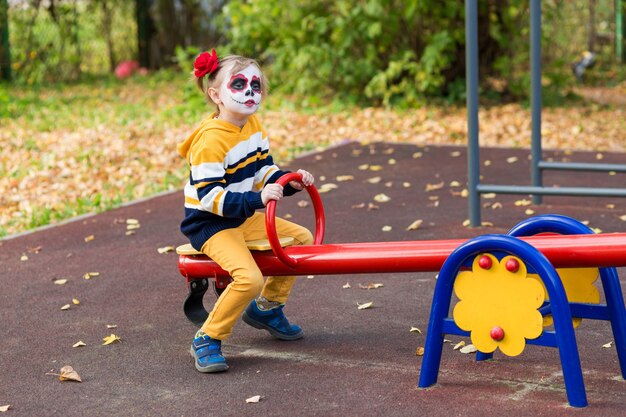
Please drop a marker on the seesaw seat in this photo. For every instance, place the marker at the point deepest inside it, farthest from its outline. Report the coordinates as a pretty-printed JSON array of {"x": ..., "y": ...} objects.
[
  {"x": 193, "y": 305},
  {"x": 260, "y": 245}
]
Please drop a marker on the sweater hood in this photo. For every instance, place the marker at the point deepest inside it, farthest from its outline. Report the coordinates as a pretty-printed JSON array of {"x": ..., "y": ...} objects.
[{"x": 208, "y": 124}]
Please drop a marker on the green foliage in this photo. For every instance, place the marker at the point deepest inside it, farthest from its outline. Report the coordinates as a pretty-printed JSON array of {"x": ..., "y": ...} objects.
[
  {"x": 387, "y": 52},
  {"x": 61, "y": 40},
  {"x": 402, "y": 53}
]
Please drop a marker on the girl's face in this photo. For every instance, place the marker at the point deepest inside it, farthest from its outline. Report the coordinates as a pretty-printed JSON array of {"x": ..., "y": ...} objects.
[{"x": 240, "y": 92}]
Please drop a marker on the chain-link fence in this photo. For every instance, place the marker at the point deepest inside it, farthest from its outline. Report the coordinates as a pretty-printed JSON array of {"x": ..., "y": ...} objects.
[{"x": 62, "y": 40}]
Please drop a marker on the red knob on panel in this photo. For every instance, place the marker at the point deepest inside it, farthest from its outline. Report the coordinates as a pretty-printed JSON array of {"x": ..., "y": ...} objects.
[
  {"x": 512, "y": 265},
  {"x": 484, "y": 262},
  {"x": 497, "y": 333}
]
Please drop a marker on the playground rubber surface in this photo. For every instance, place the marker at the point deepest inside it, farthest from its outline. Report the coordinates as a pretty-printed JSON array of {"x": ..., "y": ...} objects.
[{"x": 351, "y": 362}]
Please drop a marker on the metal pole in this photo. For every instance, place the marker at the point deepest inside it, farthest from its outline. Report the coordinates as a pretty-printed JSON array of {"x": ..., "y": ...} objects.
[
  {"x": 535, "y": 95},
  {"x": 5, "y": 51},
  {"x": 471, "y": 74}
]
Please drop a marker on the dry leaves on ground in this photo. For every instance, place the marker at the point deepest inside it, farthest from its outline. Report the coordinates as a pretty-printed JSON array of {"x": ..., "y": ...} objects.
[{"x": 117, "y": 162}]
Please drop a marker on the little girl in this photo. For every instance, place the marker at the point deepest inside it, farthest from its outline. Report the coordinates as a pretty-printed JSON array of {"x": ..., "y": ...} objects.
[{"x": 231, "y": 176}]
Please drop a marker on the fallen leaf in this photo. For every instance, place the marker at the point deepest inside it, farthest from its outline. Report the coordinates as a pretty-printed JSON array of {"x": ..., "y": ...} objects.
[
  {"x": 372, "y": 206},
  {"x": 130, "y": 232},
  {"x": 132, "y": 221},
  {"x": 341, "y": 178},
  {"x": 382, "y": 198},
  {"x": 5, "y": 408},
  {"x": 23, "y": 258},
  {"x": 466, "y": 222},
  {"x": 529, "y": 212},
  {"x": 417, "y": 155},
  {"x": 254, "y": 399},
  {"x": 303, "y": 203},
  {"x": 365, "y": 305},
  {"x": 89, "y": 275},
  {"x": 346, "y": 285},
  {"x": 386, "y": 228},
  {"x": 165, "y": 249},
  {"x": 357, "y": 206},
  {"x": 459, "y": 345},
  {"x": 310, "y": 276},
  {"x": 389, "y": 184},
  {"x": 363, "y": 167},
  {"x": 415, "y": 330},
  {"x": 523, "y": 202},
  {"x": 65, "y": 307},
  {"x": 434, "y": 187},
  {"x": 391, "y": 161},
  {"x": 406, "y": 184},
  {"x": 89, "y": 238},
  {"x": 324, "y": 188},
  {"x": 111, "y": 339},
  {"x": 69, "y": 374},
  {"x": 75, "y": 301},
  {"x": 511, "y": 159},
  {"x": 80, "y": 343},
  {"x": 374, "y": 180},
  {"x": 415, "y": 225},
  {"x": 371, "y": 286},
  {"x": 454, "y": 184},
  {"x": 623, "y": 218},
  {"x": 489, "y": 195},
  {"x": 419, "y": 351},
  {"x": 389, "y": 151},
  {"x": 111, "y": 326},
  {"x": 468, "y": 349},
  {"x": 376, "y": 167},
  {"x": 60, "y": 281},
  {"x": 133, "y": 226},
  {"x": 608, "y": 345},
  {"x": 496, "y": 205}
]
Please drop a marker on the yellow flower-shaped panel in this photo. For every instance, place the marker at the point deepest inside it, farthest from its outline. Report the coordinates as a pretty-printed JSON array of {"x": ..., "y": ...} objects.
[
  {"x": 579, "y": 288},
  {"x": 498, "y": 304}
]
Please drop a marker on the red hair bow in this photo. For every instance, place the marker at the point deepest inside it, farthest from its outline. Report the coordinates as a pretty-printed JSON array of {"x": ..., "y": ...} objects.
[{"x": 206, "y": 63}]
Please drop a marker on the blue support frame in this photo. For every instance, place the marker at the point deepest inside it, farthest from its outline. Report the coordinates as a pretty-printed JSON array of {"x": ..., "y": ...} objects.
[
  {"x": 537, "y": 190},
  {"x": 563, "y": 335}
]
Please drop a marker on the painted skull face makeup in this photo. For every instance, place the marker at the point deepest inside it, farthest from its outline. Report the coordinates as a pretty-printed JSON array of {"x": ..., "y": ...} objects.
[{"x": 241, "y": 92}]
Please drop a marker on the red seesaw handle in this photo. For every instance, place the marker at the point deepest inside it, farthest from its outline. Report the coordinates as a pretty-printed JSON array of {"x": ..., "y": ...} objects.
[{"x": 270, "y": 219}]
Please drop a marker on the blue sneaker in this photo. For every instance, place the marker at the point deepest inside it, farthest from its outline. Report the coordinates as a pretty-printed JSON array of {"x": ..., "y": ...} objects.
[
  {"x": 207, "y": 353},
  {"x": 274, "y": 321}
]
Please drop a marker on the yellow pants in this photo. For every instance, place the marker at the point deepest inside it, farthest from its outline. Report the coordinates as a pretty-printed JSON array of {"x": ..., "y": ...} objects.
[{"x": 228, "y": 249}]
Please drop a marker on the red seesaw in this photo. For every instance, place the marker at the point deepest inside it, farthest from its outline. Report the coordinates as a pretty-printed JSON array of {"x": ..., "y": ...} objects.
[
  {"x": 532, "y": 249},
  {"x": 563, "y": 251}
]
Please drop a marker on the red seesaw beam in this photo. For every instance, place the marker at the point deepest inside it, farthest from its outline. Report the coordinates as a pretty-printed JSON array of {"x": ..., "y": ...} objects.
[{"x": 563, "y": 251}]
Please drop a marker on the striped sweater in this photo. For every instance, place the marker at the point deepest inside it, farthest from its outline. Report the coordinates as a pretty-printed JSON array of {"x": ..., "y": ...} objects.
[{"x": 228, "y": 168}]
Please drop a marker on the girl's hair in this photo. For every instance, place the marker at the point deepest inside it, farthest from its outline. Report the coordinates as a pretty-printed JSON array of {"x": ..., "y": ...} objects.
[{"x": 232, "y": 63}]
